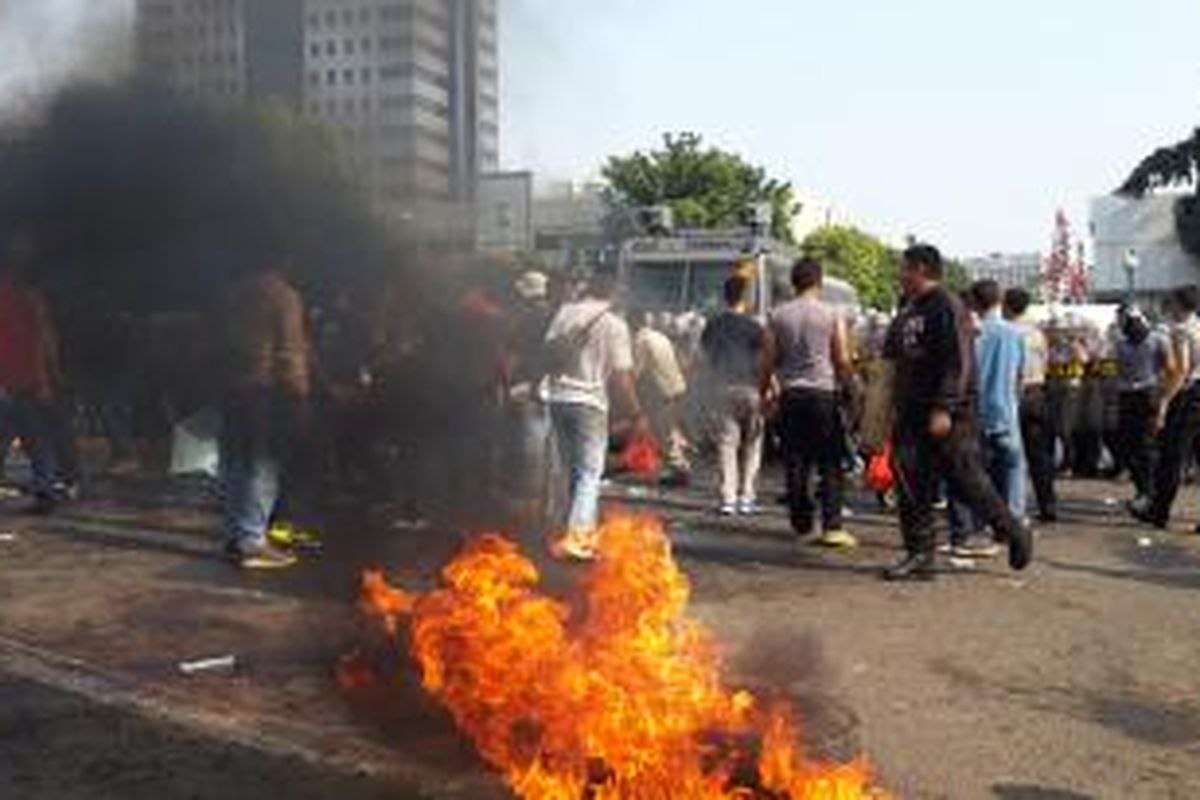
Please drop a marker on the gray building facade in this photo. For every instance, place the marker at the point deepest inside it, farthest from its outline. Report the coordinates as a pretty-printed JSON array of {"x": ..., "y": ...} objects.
[{"x": 410, "y": 88}]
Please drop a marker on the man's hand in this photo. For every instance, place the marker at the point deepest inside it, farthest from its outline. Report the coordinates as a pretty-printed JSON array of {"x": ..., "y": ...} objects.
[
  {"x": 940, "y": 423},
  {"x": 1160, "y": 421}
]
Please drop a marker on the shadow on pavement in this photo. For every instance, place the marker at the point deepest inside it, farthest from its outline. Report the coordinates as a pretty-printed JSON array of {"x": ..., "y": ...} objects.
[{"x": 1024, "y": 791}]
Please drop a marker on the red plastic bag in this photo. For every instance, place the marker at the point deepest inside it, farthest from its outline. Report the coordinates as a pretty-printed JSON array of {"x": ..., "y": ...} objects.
[
  {"x": 880, "y": 476},
  {"x": 640, "y": 456}
]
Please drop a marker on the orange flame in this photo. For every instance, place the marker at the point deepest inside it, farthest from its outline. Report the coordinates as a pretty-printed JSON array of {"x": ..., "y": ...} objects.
[{"x": 622, "y": 700}]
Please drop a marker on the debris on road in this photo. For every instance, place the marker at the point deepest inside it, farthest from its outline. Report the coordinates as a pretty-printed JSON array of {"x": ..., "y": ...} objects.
[{"x": 217, "y": 664}]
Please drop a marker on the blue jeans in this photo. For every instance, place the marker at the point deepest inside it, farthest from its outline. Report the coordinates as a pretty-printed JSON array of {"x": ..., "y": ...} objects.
[
  {"x": 23, "y": 415},
  {"x": 254, "y": 434},
  {"x": 1004, "y": 461},
  {"x": 582, "y": 435}
]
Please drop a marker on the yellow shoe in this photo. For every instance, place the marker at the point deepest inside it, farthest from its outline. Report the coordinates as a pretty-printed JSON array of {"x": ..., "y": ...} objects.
[
  {"x": 838, "y": 538},
  {"x": 574, "y": 546},
  {"x": 282, "y": 534}
]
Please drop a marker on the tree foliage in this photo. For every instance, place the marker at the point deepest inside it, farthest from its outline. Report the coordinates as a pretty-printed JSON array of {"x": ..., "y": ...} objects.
[
  {"x": 1175, "y": 166},
  {"x": 859, "y": 258},
  {"x": 705, "y": 186}
]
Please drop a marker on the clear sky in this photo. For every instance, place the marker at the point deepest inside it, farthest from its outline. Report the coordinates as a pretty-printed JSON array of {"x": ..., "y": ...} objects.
[{"x": 967, "y": 122}]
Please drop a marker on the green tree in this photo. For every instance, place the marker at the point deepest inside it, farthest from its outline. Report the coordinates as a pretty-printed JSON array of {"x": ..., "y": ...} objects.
[
  {"x": 705, "y": 186},
  {"x": 1175, "y": 166},
  {"x": 859, "y": 258}
]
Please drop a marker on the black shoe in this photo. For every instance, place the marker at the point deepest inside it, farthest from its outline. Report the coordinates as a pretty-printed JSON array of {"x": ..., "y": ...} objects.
[
  {"x": 43, "y": 505},
  {"x": 913, "y": 567},
  {"x": 675, "y": 479},
  {"x": 1048, "y": 516},
  {"x": 803, "y": 527},
  {"x": 1140, "y": 509},
  {"x": 1020, "y": 546}
]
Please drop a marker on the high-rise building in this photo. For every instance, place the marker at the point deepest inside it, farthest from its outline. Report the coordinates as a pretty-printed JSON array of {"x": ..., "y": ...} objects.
[{"x": 410, "y": 87}]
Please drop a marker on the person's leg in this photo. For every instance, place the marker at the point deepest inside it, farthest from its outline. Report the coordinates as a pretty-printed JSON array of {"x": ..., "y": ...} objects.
[
  {"x": 1006, "y": 460},
  {"x": 959, "y": 459},
  {"x": 584, "y": 433},
  {"x": 916, "y": 485},
  {"x": 33, "y": 423},
  {"x": 750, "y": 454},
  {"x": 962, "y": 521},
  {"x": 825, "y": 429},
  {"x": 1175, "y": 444},
  {"x": 250, "y": 477},
  {"x": 1038, "y": 437},
  {"x": 1137, "y": 423},
  {"x": 798, "y": 460},
  {"x": 729, "y": 443},
  {"x": 61, "y": 419}
]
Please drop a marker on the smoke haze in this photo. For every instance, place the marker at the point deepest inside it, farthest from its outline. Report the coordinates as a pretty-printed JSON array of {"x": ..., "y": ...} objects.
[{"x": 47, "y": 43}]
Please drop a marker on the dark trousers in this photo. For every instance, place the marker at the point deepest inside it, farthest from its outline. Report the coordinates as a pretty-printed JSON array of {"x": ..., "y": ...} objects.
[
  {"x": 1136, "y": 440},
  {"x": 1037, "y": 434},
  {"x": 922, "y": 462},
  {"x": 1176, "y": 442},
  {"x": 1064, "y": 397},
  {"x": 812, "y": 440},
  {"x": 32, "y": 419}
]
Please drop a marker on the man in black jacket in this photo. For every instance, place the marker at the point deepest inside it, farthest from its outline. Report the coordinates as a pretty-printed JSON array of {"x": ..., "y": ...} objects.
[{"x": 936, "y": 435}]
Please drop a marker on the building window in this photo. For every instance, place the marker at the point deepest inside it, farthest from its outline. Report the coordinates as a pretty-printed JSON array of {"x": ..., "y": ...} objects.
[
  {"x": 391, "y": 44},
  {"x": 348, "y": 47},
  {"x": 314, "y": 78},
  {"x": 314, "y": 21},
  {"x": 365, "y": 104},
  {"x": 331, "y": 18},
  {"x": 392, "y": 12},
  {"x": 331, "y": 77},
  {"x": 348, "y": 105},
  {"x": 314, "y": 49},
  {"x": 331, "y": 48},
  {"x": 348, "y": 76},
  {"x": 348, "y": 17}
]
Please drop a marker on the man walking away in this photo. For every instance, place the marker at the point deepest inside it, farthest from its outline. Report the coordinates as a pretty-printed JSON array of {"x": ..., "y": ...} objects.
[
  {"x": 661, "y": 385},
  {"x": 936, "y": 432},
  {"x": 999, "y": 350},
  {"x": 1037, "y": 431},
  {"x": 810, "y": 352},
  {"x": 1142, "y": 359},
  {"x": 1179, "y": 418},
  {"x": 27, "y": 369},
  {"x": 527, "y": 454},
  {"x": 587, "y": 352},
  {"x": 266, "y": 404},
  {"x": 737, "y": 372}
]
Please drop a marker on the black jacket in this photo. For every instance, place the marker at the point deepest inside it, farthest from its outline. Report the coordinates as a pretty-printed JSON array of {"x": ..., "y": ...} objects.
[{"x": 932, "y": 342}]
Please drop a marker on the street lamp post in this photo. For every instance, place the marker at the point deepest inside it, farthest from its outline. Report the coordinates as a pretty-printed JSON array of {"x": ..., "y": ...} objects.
[{"x": 1131, "y": 263}]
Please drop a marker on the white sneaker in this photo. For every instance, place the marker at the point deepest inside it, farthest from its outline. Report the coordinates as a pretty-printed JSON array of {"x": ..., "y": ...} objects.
[
  {"x": 748, "y": 507},
  {"x": 728, "y": 509}
]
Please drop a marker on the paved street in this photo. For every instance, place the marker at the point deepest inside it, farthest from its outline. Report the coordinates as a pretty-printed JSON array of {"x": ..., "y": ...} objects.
[{"x": 1075, "y": 679}]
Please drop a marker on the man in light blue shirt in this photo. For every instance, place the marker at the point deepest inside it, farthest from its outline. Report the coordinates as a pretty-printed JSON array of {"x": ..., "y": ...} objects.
[{"x": 1000, "y": 361}]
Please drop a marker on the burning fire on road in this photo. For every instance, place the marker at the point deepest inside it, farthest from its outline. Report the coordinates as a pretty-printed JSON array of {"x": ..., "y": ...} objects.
[{"x": 618, "y": 696}]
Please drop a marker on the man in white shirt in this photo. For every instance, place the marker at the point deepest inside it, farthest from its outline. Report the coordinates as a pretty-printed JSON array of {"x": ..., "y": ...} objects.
[
  {"x": 661, "y": 383},
  {"x": 590, "y": 352}
]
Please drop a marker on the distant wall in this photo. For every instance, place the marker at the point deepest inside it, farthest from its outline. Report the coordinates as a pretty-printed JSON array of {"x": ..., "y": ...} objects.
[{"x": 1148, "y": 226}]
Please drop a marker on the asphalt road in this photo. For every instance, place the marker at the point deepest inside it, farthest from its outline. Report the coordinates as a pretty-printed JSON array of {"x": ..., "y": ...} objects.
[
  {"x": 56, "y": 745},
  {"x": 1075, "y": 679}
]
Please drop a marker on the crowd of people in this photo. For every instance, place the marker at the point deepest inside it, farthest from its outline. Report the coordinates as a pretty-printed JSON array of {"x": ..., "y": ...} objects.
[{"x": 513, "y": 399}]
